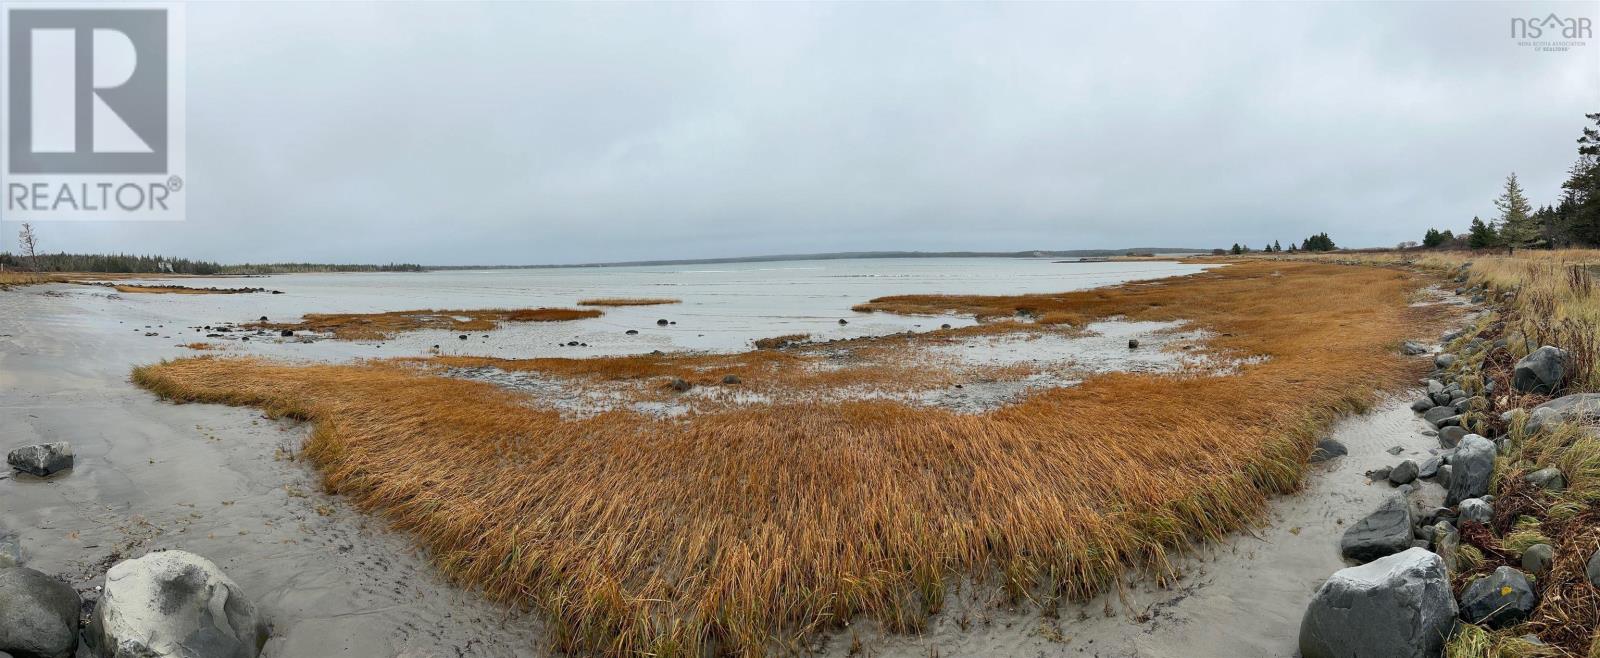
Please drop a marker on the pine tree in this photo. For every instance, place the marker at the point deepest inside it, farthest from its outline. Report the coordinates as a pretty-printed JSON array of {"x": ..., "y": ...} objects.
[
  {"x": 1237, "y": 249},
  {"x": 1579, "y": 209},
  {"x": 1516, "y": 226},
  {"x": 1482, "y": 236},
  {"x": 1277, "y": 247}
]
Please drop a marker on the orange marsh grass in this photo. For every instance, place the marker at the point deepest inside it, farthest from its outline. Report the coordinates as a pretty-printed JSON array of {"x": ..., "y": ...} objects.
[{"x": 745, "y": 532}]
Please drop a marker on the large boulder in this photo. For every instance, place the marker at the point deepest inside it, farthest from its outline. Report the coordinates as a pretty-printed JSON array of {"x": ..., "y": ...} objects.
[
  {"x": 1502, "y": 599},
  {"x": 173, "y": 604},
  {"x": 38, "y": 615},
  {"x": 1593, "y": 572},
  {"x": 1471, "y": 466},
  {"x": 1541, "y": 371},
  {"x": 1575, "y": 408},
  {"x": 1397, "y": 606},
  {"x": 41, "y": 460},
  {"x": 1385, "y": 531}
]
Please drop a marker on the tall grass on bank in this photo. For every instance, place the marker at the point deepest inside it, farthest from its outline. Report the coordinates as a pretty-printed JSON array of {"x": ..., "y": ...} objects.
[
  {"x": 378, "y": 326},
  {"x": 9, "y": 280},
  {"x": 747, "y": 531}
]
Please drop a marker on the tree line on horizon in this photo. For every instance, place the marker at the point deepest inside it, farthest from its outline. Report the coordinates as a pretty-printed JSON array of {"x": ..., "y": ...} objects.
[
  {"x": 1318, "y": 242},
  {"x": 149, "y": 264},
  {"x": 1573, "y": 221}
]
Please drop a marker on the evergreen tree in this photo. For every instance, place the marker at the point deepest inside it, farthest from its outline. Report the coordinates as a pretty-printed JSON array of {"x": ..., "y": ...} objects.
[
  {"x": 1318, "y": 242},
  {"x": 1277, "y": 247},
  {"x": 1237, "y": 249},
  {"x": 1516, "y": 226},
  {"x": 1579, "y": 210},
  {"x": 1482, "y": 236}
]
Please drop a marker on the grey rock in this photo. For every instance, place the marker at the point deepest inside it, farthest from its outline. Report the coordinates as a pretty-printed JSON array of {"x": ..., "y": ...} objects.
[
  {"x": 1447, "y": 543},
  {"x": 1422, "y": 404},
  {"x": 679, "y": 385},
  {"x": 173, "y": 604},
  {"x": 1446, "y": 474},
  {"x": 42, "y": 460},
  {"x": 38, "y": 615},
  {"x": 1380, "y": 473},
  {"x": 1536, "y": 560},
  {"x": 1133, "y": 343},
  {"x": 1403, "y": 473},
  {"x": 1472, "y": 465},
  {"x": 1499, "y": 600},
  {"x": 1398, "y": 606},
  {"x": 1449, "y": 336},
  {"x": 1385, "y": 531},
  {"x": 1395, "y": 450},
  {"x": 1444, "y": 361},
  {"x": 1452, "y": 421},
  {"x": 732, "y": 379},
  {"x": 1435, "y": 387},
  {"x": 1476, "y": 509},
  {"x": 1428, "y": 432},
  {"x": 1328, "y": 449},
  {"x": 1450, "y": 437},
  {"x": 1547, "y": 478},
  {"x": 1440, "y": 399},
  {"x": 1438, "y": 415},
  {"x": 1541, "y": 371},
  {"x": 1576, "y": 408},
  {"x": 1413, "y": 348},
  {"x": 1429, "y": 467}
]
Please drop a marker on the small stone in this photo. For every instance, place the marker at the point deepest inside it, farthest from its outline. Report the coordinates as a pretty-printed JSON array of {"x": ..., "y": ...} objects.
[
  {"x": 1444, "y": 361},
  {"x": 1395, "y": 450},
  {"x": 679, "y": 385},
  {"x": 1404, "y": 473},
  {"x": 1536, "y": 560},
  {"x": 1422, "y": 404},
  {"x": 1446, "y": 472},
  {"x": 661, "y": 323},
  {"x": 1499, "y": 600},
  {"x": 1328, "y": 449},
  {"x": 1549, "y": 479},
  {"x": 731, "y": 379},
  {"x": 1447, "y": 543},
  {"x": 1386, "y": 531},
  {"x": 1437, "y": 415},
  {"x": 1473, "y": 464},
  {"x": 632, "y": 332},
  {"x": 1451, "y": 436},
  {"x": 842, "y": 322},
  {"x": 1476, "y": 509},
  {"x": 1133, "y": 343},
  {"x": 10, "y": 551},
  {"x": 42, "y": 460},
  {"x": 1413, "y": 348},
  {"x": 1381, "y": 473},
  {"x": 1429, "y": 467},
  {"x": 944, "y": 326}
]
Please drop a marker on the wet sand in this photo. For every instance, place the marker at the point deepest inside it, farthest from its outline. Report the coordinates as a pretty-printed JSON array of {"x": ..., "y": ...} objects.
[{"x": 215, "y": 481}]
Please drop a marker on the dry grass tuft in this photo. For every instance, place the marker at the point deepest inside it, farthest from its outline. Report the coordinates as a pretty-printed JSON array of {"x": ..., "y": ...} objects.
[
  {"x": 746, "y": 531},
  {"x": 378, "y": 326},
  {"x": 628, "y": 301},
  {"x": 202, "y": 347}
]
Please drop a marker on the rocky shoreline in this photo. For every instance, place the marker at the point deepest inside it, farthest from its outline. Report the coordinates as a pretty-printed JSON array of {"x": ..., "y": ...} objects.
[{"x": 1420, "y": 573}]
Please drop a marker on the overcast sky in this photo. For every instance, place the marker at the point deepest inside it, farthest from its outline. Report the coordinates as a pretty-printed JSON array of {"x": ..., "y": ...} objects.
[{"x": 555, "y": 133}]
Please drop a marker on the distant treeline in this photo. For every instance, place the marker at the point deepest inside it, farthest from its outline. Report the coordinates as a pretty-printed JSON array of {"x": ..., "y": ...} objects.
[
  {"x": 1572, "y": 221},
  {"x": 130, "y": 264}
]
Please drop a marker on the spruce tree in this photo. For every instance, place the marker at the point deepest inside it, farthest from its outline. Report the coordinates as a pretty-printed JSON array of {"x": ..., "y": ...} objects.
[{"x": 1516, "y": 226}]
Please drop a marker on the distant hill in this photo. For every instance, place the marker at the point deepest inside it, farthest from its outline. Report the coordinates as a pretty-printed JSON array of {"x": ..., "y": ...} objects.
[{"x": 843, "y": 255}]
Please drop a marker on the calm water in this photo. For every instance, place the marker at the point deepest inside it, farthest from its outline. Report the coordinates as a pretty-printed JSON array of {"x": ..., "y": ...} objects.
[{"x": 724, "y": 307}]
